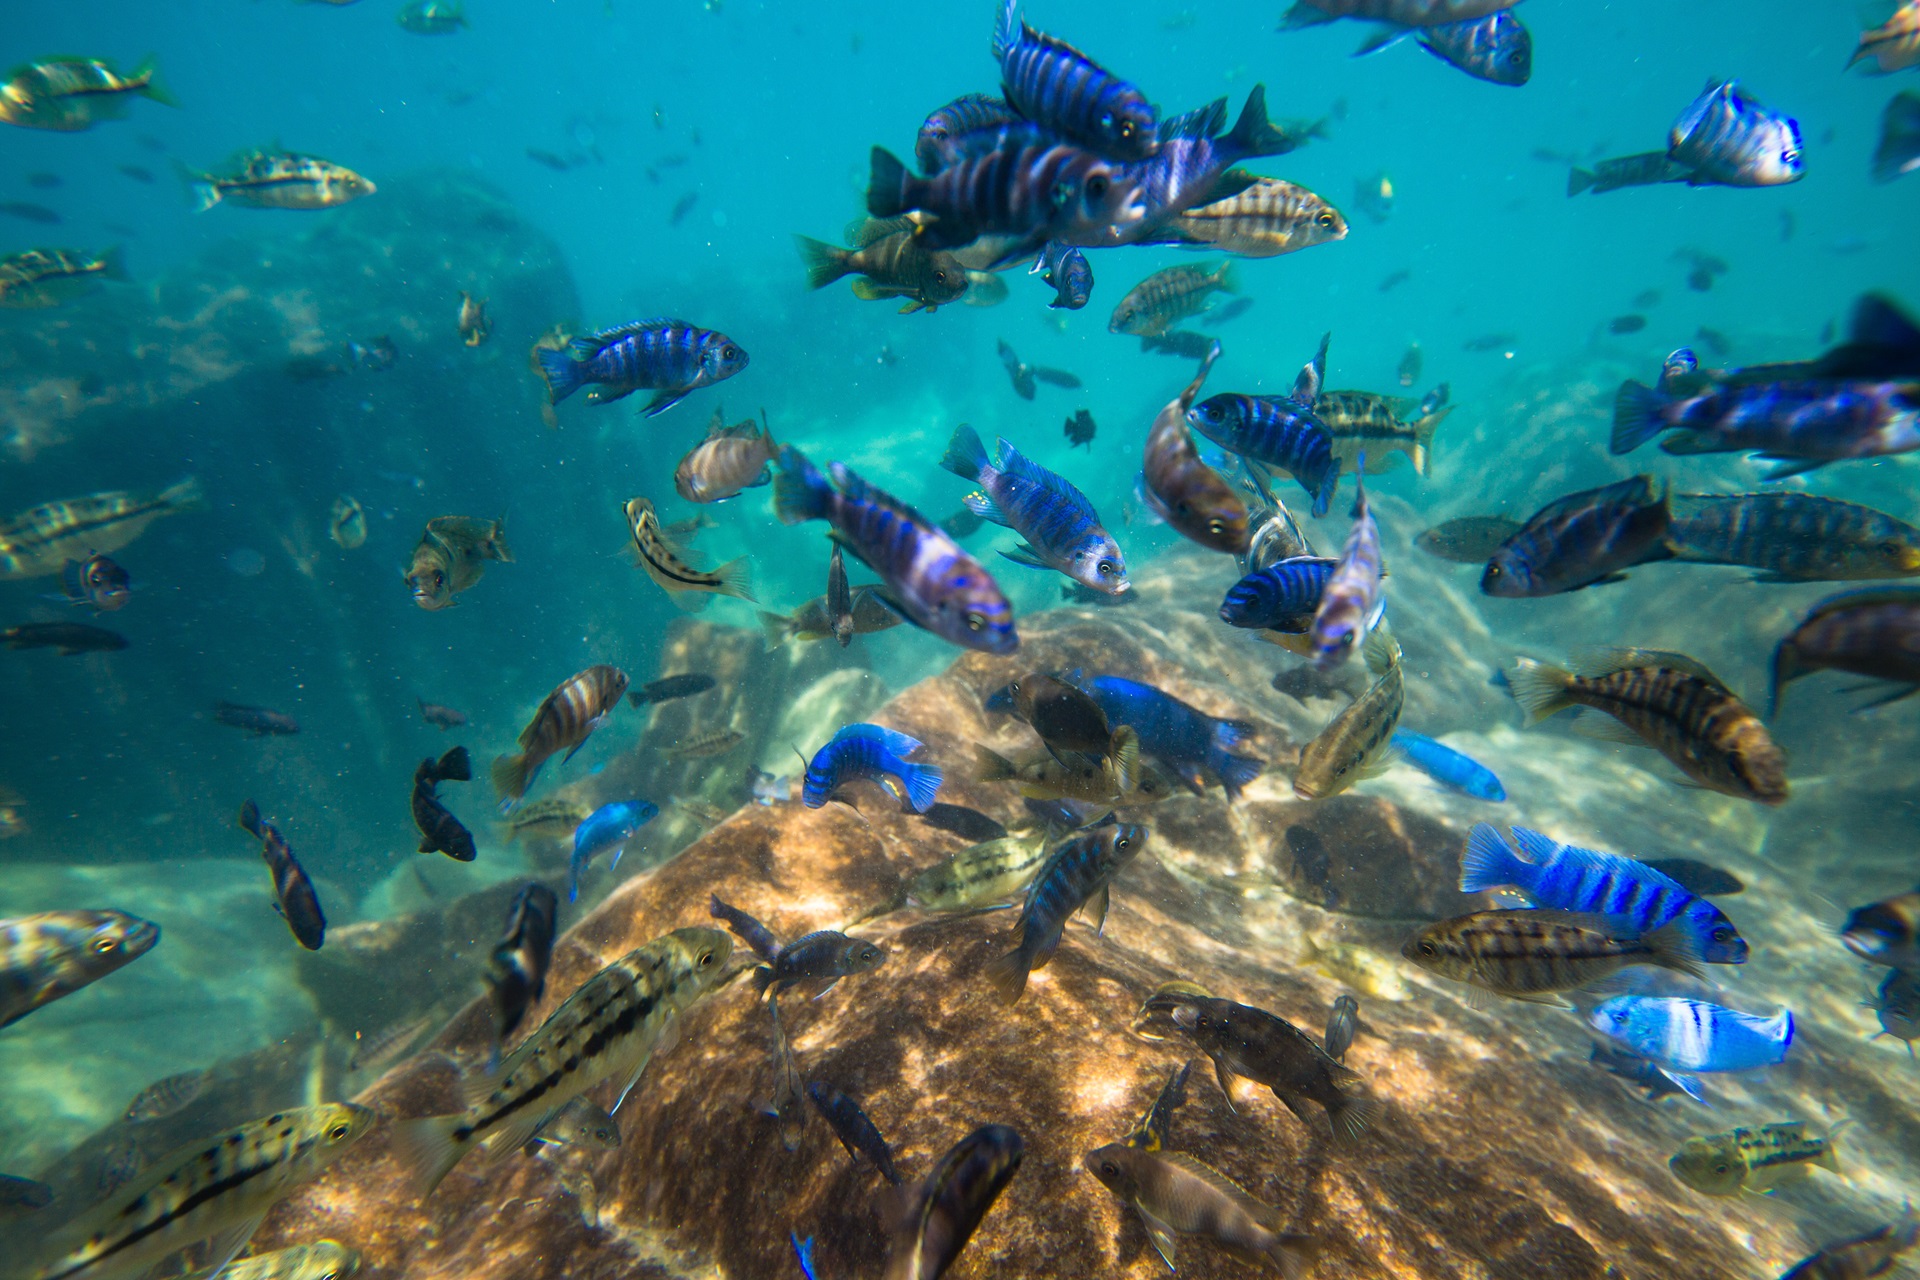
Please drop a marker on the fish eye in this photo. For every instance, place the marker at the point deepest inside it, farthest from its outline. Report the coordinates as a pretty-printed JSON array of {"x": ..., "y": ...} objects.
[
  {"x": 338, "y": 1132},
  {"x": 706, "y": 959},
  {"x": 1105, "y": 568},
  {"x": 1124, "y": 842},
  {"x": 1325, "y": 218},
  {"x": 1427, "y": 949},
  {"x": 1493, "y": 571},
  {"x": 105, "y": 946},
  {"x": 1216, "y": 526},
  {"x": 1097, "y": 186},
  {"x": 729, "y": 351},
  {"x": 1720, "y": 1168},
  {"x": 1109, "y": 1168},
  {"x": 1723, "y": 934},
  {"x": 976, "y": 621}
]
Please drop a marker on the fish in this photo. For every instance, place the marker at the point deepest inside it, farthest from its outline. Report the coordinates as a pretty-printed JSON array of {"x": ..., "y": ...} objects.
[
  {"x": 1666, "y": 701},
  {"x": 1342, "y": 1020},
  {"x": 1280, "y": 431},
  {"x": 294, "y": 896},
  {"x": 824, "y": 955},
  {"x": 1024, "y": 375},
  {"x": 1373, "y": 196},
  {"x": 1361, "y": 422},
  {"x": 1886, "y": 932},
  {"x": 55, "y": 953},
  {"x": 431, "y": 17},
  {"x": 1168, "y": 296},
  {"x": 1583, "y": 879},
  {"x": 97, "y": 581},
  {"x": 1245, "y": 1041},
  {"x": 40, "y": 541},
  {"x": 767, "y": 789},
  {"x": 68, "y": 95},
  {"x": 22, "y": 1195},
  {"x": 1175, "y": 1195},
  {"x": 451, "y": 556},
  {"x": 65, "y": 638},
  {"x": 607, "y": 1029},
  {"x": 942, "y": 1213},
  {"x": 1627, "y": 324},
  {"x": 1716, "y": 341},
  {"x": 1534, "y": 955},
  {"x": 566, "y": 718},
  {"x": 980, "y": 874},
  {"x": 1061, "y": 529},
  {"x": 165, "y": 1097},
  {"x": 1353, "y": 600},
  {"x": 279, "y": 180},
  {"x": 261, "y": 722},
  {"x": 376, "y": 355},
  {"x": 1448, "y": 767},
  {"x": 668, "y": 688},
  {"x": 1799, "y": 425},
  {"x": 118, "y": 1165},
  {"x": 1693, "y": 1035},
  {"x": 931, "y": 581},
  {"x": 347, "y": 522},
  {"x": 857, "y": 1134},
  {"x": 516, "y": 973},
  {"x": 875, "y": 753},
  {"x": 29, "y": 212},
  {"x": 940, "y": 141},
  {"x": 1155, "y": 1128},
  {"x": 1408, "y": 371},
  {"x": 1406, "y": 13},
  {"x": 1898, "y": 151},
  {"x": 1897, "y": 1004},
  {"x": 1469, "y": 539},
  {"x": 1496, "y": 48},
  {"x": 1075, "y": 875},
  {"x": 682, "y": 207},
  {"x": 1182, "y": 489},
  {"x": 1053, "y": 84},
  {"x": 704, "y": 746},
  {"x": 1189, "y": 742},
  {"x": 788, "y": 1102},
  {"x": 1067, "y": 273},
  {"x": 1104, "y": 777},
  {"x": 1080, "y": 430},
  {"x": 610, "y": 826},
  {"x": 475, "y": 327},
  {"x": 40, "y": 180},
  {"x": 1793, "y": 537},
  {"x": 438, "y": 716},
  {"x": 670, "y": 567},
  {"x": 440, "y": 831},
  {"x": 12, "y": 821},
  {"x": 1860, "y": 1257},
  {"x": 1700, "y": 878},
  {"x": 1755, "y": 1160},
  {"x": 1489, "y": 342},
  {"x": 552, "y": 819},
  {"x": 1266, "y": 219},
  {"x": 1357, "y": 743},
  {"x": 707, "y": 815},
  {"x": 839, "y": 598},
  {"x": 216, "y": 1188},
  {"x": 372, "y": 1052},
  {"x": 578, "y": 1124},
  {"x": 1276, "y": 536},
  {"x": 813, "y": 620},
  {"x": 1585, "y": 539},
  {"x": 1656, "y": 1080},
  {"x": 892, "y": 261},
  {"x": 729, "y": 460},
  {"x": 1065, "y": 717},
  {"x": 1391, "y": 281},
  {"x": 670, "y": 358},
  {"x": 1184, "y": 343},
  {"x": 1893, "y": 45},
  {"x": 1642, "y": 169},
  {"x": 1726, "y": 137}
]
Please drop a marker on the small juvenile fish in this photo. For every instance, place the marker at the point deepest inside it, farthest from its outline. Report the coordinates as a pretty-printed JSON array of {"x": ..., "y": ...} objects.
[
  {"x": 1627, "y": 324},
  {"x": 1061, "y": 528},
  {"x": 1585, "y": 539},
  {"x": 1188, "y": 741},
  {"x": 1656, "y": 1080},
  {"x": 813, "y": 620},
  {"x": 788, "y": 1103},
  {"x": 1668, "y": 702},
  {"x": 372, "y": 1052},
  {"x": 1177, "y": 1195},
  {"x": 1183, "y": 490},
  {"x": 1886, "y": 932},
  {"x": 1692, "y": 1035},
  {"x": 671, "y": 358},
  {"x": 687, "y": 586},
  {"x": 1103, "y": 778},
  {"x": 945, "y": 1209},
  {"x": 980, "y": 874},
  {"x": 42, "y": 278},
  {"x": 293, "y": 893},
  {"x": 431, "y": 17},
  {"x": 1353, "y": 601},
  {"x": 1362, "y": 423},
  {"x": 768, "y": 789},
  {"x": 856, "y": 1133},
  {"x": 1169, "y": 296},
  {"x": 839, "y": 598},
  {"x": 1897, "y": 1004},
  {"x": 1534, "y": 954},
  {"x": 1861, "y": 1257},
  {"x": 261, "y": 722},
  {"x": 55, "y": 953},
  {"x": 1055, "y": 85},
  {"x": 565, "y": 719},
  {"x": 1075, "y": 875},
  {"x": 1794, "y": 537},
  {"x": 891, "y": 261},
  {"x": 1408, "y": 371},
  {"x": 1284, "y": 596},
  {"x": 1726, "y": 137},
  {"x": 667, "y": 688},
  {"x": 68, "y": 639},
  {"x": 438, "y": 716},
  {"x": 1024, "y": 375},
  {"x": 1266, "y": 219},
  {"x": 825, "y": 954},
  {"x": 1496, "y": 48},
  {"x": 1342, "y": 1020},
  {"x": 440, "y": 831},
  {"x": 1080, "y": 430},
  {"x": 552, "y": 818},
  {"x": 728, "y": 460},
  {"x": 281, "y": 180},
  {"x": 1356, "y": 744},
  {"x": 97, "y": 582},
  {"x": 1184, "y": 343},
  {"x": 610, "y": 826},
  {"x": 165, "y": 1097},
  {"x": 451, "y": 556},
  {"x": 1898, "y": 151},
  {"x": 1756, "y": 1160},
  {"x": 704, "y": 746},
  {"x": 347, "y": 522},
  {"x": 1449, "y": 767},
  {"x": 1067, "y": 273},
  {"x": 1874, "y": 632},
  {"x": 579, "y": 1124},
  {"x": 1155, "y": 1129},
  {"x": 475, "y": 327},
  {"x": 1280, "y": 431},
  {"x": 875, "y": 753}
]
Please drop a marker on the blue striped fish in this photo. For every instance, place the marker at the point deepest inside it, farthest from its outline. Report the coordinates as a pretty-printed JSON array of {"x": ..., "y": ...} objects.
[
  {"x": 667, "y": 357},
  {"x": 1053, "y": 84},
  {"x": 1280, "y": 597},
  {"x": 1077, "y": 874},
  {"x": 1564, "y": 877},
  {"x": 1280, "y": 431},
  {"x": 1449, "y": 767},
  {"x": 1352, "y": 603},
  {"x": 871, "y": 751},
  {"x": 1062, "y": 529}
]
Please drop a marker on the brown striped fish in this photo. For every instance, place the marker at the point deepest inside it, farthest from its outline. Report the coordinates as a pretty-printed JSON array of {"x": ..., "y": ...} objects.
[
  {"x": 1666, "y": 701},
  {"x": 730, "y": 459},
  {"x": 55, "y": 953},
  {"x": 1267, "y": 219},
  {"x": 41, "y": 541},
  {"x": 1167, "y": 297},
  {"x": 1362, "y": 423},
  {"x": 1184, "y": 491},
  {"x": 1532, "y": 955},
  {"x": 687, "y": 586},
  {"x": 1356, "y": 743},
  {"x": 1873, "y": 632},
  {"x": 1894, "y": 44},
  {"x": 38, "y": 278},
  {"x": 564, "y": 721}
]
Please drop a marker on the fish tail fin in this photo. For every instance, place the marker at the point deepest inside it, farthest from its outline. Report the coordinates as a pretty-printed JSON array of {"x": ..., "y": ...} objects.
[
  {"x": 1237, "y": 773},
  {"x": 993, "y": 766},
  {"x": 1008, "y": 974},
  {"x": 427, "y": 1149},
  {"x": 562, "y": 373},
  {"x": 113, "y": 264},
  {"x": 762, "y": 979},
  {"x": 1227, "y": 279},
  {"x": 455, "y": 766},
  {"x": 1384, "y": 36},
  {"x": 1423, "y": 428},
  {"x": 825, "y": 262},
  {"x": 510, "y": 776},
  {"x": 1579, "y": 180},
  {"x": 800, "y": 492},
  {"x": 1123, "y": 755},
  {"x": 1787, "y": 668},
  {"x": 202, "y": 191},
  {"x": 1353, "y": 1116},
  {"x": 1490, "y": 862},
  {"x": 778, "y": 628},
  {"x": 1293, "y": 1255},
  {"x": 147, "y": 76},
  {"x": 966, "y": 456},
  {"x": 1539, "y": 688},
  {"x": 1006, "y": 31},
  {"x": 1636, "y": 418},
  {"x": 1253, "y": 134},
  {"x": 1305, "y": 15},
  {"x": 736, "y": 578},
  {"x": 250, "y": 817},
  {"x": 1329, "y": 485},
  {"x": 1673, "y": 946},
  {"x": 184, "y": 496},
  {"x": 922, "y": 782},
  {"x": 886, "y": 185}
]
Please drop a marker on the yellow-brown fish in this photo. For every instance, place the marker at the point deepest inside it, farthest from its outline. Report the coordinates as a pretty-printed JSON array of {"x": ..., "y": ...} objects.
[
  {"x": 70, "y": 94},
  {"x": 475, "y": 328},
  {"x": 1082, "y": 776},
  {"x": 1894, "y": 44},
  {"x": 1183, "y": 490},
  {"x": 347, "y": 522},
  {"x": 451, "y": 555},
  {"x": 1362, "y": 423},
  {"x": 993, "y": 871},
  {"x": 321, "y": 1260},
  {"x": 40, "y": 278},
  {"x": 1758, "y": 1160},
  {"x": 41, "y": 541},
  {"x": 55, "y": 953},
  {"x": 811, "y": 621},
  {"x": 1167, "y": 297},
  {"x": 704, "y": 746},
  {"x": 1177, "y": 1195},
  {"x": 551, "y": 819},
  {"x": 281, "y": 180},
  {"x": 558, "y": 338},
  {"x": 1267, "y": 219},
  {"x": 565, "y": 720},
  {"x": 1533, "y": 954},
  {"x": 1666, "y": 701},
  {"x": 730, "y": 459},
  {"x": 667, "y": 565},
  {"x": 891, "y": 261},
  {"x": 1356, "y": 743}
]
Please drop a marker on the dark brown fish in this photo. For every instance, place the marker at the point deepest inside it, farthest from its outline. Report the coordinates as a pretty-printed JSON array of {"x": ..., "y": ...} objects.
[
  {"x": 1669, "y": 702},
  {"x": 261, "y": 722},
  {"x": 293, "y": 893},
  {"x": 1080, "y": 429},
  {"x": 1467, "y": 540},
  {"x": 1065, "y": 718},
  {"x": 440, "y": 717},
  {"x": 1860, "y": 1257},
  {"x": 948, "y": 1206},
  {"x": 565, "y": 720},
  {"x": 440, "y": 831},
  {"x": 1630, "y": 323},
  {"x": 1177, "y": 1195},
  {"x": 68, "y": 638},
  {"x": 891, "y": 261},
  {"x": 1184, "y": 491},
  {"x": 968, "y": 824},
  {"x": 517, "y": 969},
  {"x": 667, "y": 688},
  {"x": 1532, "y": 954},
  {"x": 1873, "y": 633}
]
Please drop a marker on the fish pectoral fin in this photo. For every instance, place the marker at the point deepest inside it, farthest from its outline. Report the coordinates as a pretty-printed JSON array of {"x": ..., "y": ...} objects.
[
  {"x": 1026, "y": 555},
  {"x": 1162, "y": 1236},
  {"x": 662, "y": 402},
  {"x": 1550, "y": 999},
  {"x": 1293, "y": 1104},
  {"x": 1601, "y": 727},
  {"x": 222, "y": 1247},
  {"x": 1096, "y": 909},
  {"x": 1225, "y": 1077}
]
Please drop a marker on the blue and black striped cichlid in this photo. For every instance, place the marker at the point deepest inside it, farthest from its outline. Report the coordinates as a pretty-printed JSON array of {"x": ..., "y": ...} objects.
[
  {"x": 931, "y": 581},
  {"x": 1496, "y": 48},
  {"x": 1585, "y": 539},
  {"x": 874, "y": 752},
  {"x": 1280, "y": 431},
  {"x": 55, "y": 953},
  {"x": 859, "y": 1135},
  {"x": 667, "y": 357},
  {"x": 823, "y": 955},
  {"x": 1445, "y": 765},
  {"x": 1053, "y": 84},
  {"x": 1067, "y": 271},
  {"x": 1793, "y": 537},
  {"x": 1062, "y": 529},
  {"x": 1195, "y": 163},
  {"x": 1565, "y": 877},
  {"x": 1280, "y": 597},
  {"x": 1077, "y": 874},
  {"x": 1187, "y": 740},
  {"x": 1728, "y": 139},
  {"x": 938, "y": 145},
  {"x": 1800, "y": 425},
  {"x": 1694, "y": 1035}
]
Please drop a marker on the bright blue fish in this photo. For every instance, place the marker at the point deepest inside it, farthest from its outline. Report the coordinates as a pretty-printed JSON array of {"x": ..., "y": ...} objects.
[
  {"x": 1053, "y": 84},
  {"x": 1062, "y": 529},
  {"x": 870, "y": 751},
  {"x": 1185, "y": 739},
  {"x": 1726, "y": 137},
  {"x": 608, "y": 827},
  {"x": 1281, "y": 597},
  {"x": 933, "y": 583},
  {"x": 1280, "y": 431},
  {"x": 1067, "y": 271},
  {"x": 1445, "y": 765},
  {"x": 668, "y": 357},
  {"x": 1691, "y": 1035},
  {"x": 1564, "y": 877},
  {"x": 802, "y": 1250}
]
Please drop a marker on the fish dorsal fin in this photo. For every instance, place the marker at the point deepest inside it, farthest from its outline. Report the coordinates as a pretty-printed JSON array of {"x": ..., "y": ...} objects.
[
  {"x": 1018, "y": 465},
  {"x": 1313, "y": 375},
  {"x": 892, "y": 739},
  {"x": 1605, "y": 661},
  {"x": 1201, "y": 122},
  {"x": 1877, "y": 320},
  {"x": 606, "y": 337}
]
